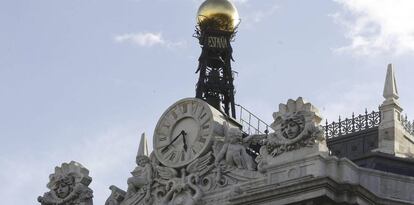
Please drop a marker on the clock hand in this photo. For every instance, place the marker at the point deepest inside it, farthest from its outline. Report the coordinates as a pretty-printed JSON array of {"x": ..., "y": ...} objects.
[
  {"x": 185, "y": 143},
  {"x": 175, "y": 139}
]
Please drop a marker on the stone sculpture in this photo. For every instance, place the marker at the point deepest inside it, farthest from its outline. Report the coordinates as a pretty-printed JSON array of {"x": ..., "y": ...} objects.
[
  {"x": 154, "y": 183},
  {"x": 68, "y": 186},
  {"x": 184, "y": 192},
  {"x": 232, "y": 164},
  {"x": 149, "y": 181},
  {"x": 233, "y": 153},
  {"x": 117, "y": 196},
  {"x": 139, "y": 185},
  {"x": 296, "y": 126}
]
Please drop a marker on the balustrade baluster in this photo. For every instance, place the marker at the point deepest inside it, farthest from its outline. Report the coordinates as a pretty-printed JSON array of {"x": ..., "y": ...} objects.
[
  {"x": 353, "y": 122},
  {"x": 340, "y": 126}
]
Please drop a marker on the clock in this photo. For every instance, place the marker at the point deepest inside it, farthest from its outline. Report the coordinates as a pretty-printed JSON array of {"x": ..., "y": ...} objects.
[{"x": 186, "y": 131}]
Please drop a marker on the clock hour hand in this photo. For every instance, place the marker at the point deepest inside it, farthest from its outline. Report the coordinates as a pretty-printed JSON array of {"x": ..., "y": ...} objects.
[
  {"x": 175, "y": 139},
  {"x": 185, "y": 143}
]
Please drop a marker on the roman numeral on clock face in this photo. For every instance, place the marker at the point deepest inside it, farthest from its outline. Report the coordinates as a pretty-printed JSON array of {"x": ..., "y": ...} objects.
[
  {"x": 193, "y": 150},
  {"x": 171, "y": 156},
  {"x": 165, "y": 150},
  {"x": 162, "y": 138},
  {"x": 203, "y": 115},
  {"x": 206, "y": 126},
  {"x": 163, "y": 141},
  {"x": 184, "y": 108},
  {"x": 174, "y": 115},
  {"x": 198, "y": 110},
  {"x": 202, "y": 139},
  {"x": 182, "y": 155}
]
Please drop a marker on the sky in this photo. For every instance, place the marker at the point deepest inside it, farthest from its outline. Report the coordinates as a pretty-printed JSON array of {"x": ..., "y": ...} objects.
[{"x": 82, "y": 79}]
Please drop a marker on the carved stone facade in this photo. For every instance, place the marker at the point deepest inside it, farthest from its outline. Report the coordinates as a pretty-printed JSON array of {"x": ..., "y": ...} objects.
[
  {"x": 201, "y": 156},
  {"x": 154, "y": 183},
  {"x": 68, "y": 186},
  {"x": 293, "y": 167},
  {"x": 293, "y": 164},
  {"x": 297, "y": 127}
]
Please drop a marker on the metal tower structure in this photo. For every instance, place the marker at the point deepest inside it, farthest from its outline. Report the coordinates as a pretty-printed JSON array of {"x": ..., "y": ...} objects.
[
  {"x": 215, "y": 83},
  {"x": 217, "y": 21}
]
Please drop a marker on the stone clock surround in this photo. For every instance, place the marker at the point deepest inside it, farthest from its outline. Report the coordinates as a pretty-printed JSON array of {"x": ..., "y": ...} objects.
[{"x": 202, "y": 124}]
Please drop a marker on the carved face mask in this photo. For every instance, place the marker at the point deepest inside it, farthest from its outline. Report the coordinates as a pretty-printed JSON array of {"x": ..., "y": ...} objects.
[
  {"x": 62, "y": 190},
  {"x": 142, "y": 160},
  {"x": 290, "y": 129},
  {"x": 63, "y": 187}
]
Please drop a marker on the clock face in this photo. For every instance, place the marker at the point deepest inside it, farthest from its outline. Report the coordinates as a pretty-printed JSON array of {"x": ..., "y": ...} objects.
[{"x": 183, "y": 133}]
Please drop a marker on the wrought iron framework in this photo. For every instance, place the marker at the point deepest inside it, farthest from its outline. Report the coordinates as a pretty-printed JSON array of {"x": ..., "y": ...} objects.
[
  {"x": 353, "y": 125},
  {"x": 408, "y": 126},
  {"x": 251, "y": 123},
  {"x": 215, "y": 83}
]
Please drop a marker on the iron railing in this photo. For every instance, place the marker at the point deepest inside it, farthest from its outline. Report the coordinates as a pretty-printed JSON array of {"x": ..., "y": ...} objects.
[
  {"x": 408, "y": 126},
  {"x": 251, "y": 123},
  {"x": 355, "y": 124}
]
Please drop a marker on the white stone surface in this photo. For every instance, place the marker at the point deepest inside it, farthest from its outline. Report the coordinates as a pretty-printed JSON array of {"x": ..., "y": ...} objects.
[
  {"x": 386, "y": 186},
  {"x": 390, "y": 87},
  {"x": 393, "y": 138}
]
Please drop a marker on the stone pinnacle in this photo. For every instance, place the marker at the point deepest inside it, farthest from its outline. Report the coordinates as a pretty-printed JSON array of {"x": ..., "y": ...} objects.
[{"x": 390, "y": 87}]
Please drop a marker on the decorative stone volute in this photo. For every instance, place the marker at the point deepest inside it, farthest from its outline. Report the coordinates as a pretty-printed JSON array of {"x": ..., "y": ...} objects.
[{"x": 68, "y": 186}]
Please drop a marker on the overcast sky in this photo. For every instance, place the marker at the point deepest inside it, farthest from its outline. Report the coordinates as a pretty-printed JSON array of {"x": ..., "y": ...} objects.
[{"x": 82, "y": 79}]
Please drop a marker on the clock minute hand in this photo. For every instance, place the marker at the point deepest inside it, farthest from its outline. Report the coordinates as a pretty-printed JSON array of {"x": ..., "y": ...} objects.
[{"x": 175, "y": 139}]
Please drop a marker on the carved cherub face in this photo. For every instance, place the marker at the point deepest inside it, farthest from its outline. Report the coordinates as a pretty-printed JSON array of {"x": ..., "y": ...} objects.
[
  {"x": 142, "y": 161},
  {"x": 63, "y": 187},
  {"x": 235, "y": 135},
  {"x": 291, "y": 128}
]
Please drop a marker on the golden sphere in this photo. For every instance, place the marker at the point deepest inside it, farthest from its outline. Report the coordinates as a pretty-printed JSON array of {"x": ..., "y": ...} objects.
[{"x": 218, "y": 15}]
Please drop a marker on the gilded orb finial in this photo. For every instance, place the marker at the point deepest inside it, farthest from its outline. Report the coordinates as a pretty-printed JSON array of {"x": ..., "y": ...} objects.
[{"x": 218, "y": 15}]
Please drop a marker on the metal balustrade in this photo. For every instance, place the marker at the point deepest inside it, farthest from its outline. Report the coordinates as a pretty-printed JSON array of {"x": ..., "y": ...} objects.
[
  {"x": 352, "y": 125},
  {"x": 408, "y": 126},
  {"x": 251, "y": 123}
]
